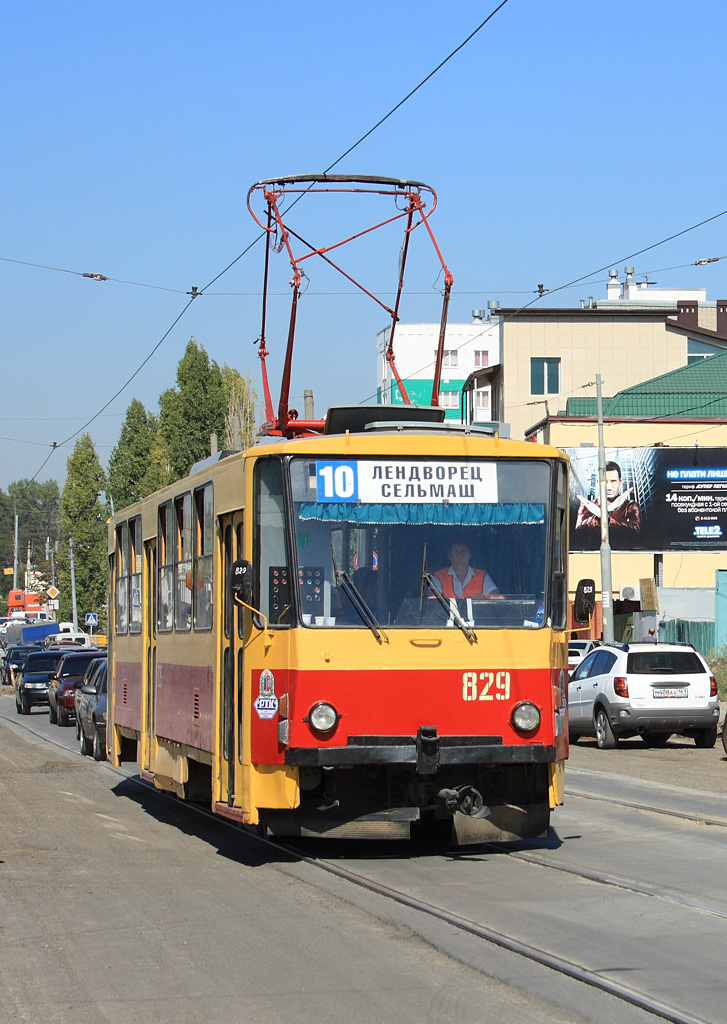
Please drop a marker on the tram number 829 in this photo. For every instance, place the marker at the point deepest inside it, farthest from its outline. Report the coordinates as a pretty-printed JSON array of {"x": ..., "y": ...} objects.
[{"x": 486, "y": 685}]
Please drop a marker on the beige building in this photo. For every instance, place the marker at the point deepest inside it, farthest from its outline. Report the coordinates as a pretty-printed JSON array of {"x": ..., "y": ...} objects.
[{"x": 547, "y": 356}]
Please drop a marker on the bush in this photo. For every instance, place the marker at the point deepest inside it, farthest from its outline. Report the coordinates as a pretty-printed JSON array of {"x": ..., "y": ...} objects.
[{"x": 717, "y": 662}]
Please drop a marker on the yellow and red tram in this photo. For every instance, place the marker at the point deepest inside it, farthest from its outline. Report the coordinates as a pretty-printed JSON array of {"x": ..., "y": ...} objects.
[{"x": 281, "y": 648}]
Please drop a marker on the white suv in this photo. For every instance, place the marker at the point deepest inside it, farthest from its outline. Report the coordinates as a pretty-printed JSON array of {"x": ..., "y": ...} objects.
[{"x": 652, "y": 690}]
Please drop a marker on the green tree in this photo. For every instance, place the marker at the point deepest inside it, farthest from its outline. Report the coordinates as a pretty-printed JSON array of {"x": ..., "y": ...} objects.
[
  {"x": 83, "y": 520},
  {"x": 240, "y": 398},
  {"x": 192, "y": 410},
  {"x": 130, "y": 460},
  {"x": 38, "y": 509},
  {"x": 159, "y": 472}
]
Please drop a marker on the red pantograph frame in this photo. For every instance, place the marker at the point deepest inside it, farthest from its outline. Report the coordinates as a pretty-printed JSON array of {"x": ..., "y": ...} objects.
[{"x": 414, "y": 194}]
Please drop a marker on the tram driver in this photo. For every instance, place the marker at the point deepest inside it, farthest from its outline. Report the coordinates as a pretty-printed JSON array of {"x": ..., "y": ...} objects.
[{"x": 461, "y": 580}]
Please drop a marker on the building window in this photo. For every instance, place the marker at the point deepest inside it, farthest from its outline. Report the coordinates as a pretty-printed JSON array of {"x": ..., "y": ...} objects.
[
  {"x": 449, "y": 358},
  {"x": 449, "y": 399},
  {"x": 482, "y": 401},
  {"x": 698, "y": 350},
  {"x": 544, "y": 376},
  {"x": 481, "y": 358}
]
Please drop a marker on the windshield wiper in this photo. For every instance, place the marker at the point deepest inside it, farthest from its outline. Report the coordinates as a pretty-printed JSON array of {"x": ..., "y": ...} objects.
[
  {"x": 344, "y": 582},
  {"x": 450, "y": 607}
]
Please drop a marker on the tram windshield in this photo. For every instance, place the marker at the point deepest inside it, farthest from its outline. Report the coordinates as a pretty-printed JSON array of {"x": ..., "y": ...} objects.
[{"x": 385, "y": 543}]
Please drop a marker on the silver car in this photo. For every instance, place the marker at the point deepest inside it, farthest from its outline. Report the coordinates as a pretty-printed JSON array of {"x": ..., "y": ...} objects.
[{"x": 645, "y": 689}]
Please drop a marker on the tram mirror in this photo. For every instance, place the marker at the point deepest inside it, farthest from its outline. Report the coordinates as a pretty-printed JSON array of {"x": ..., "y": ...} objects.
[
  {"x": 241, "y": 580},
  {"x": 585, "y": 601}
]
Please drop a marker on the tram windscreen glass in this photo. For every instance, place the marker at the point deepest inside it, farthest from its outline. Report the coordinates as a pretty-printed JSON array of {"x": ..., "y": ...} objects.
[{"x": 400, "y": 529}]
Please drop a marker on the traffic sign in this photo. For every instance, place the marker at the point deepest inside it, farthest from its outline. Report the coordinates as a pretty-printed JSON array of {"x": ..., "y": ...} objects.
[
  {"x": 91, "y": 619},
  {"x": 52, "y": 592}
]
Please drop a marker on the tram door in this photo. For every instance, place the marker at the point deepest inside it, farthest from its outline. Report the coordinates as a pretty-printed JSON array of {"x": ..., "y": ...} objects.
[
  {"x": 150, "y": 649},
  {"x": 231, "y": 675}
]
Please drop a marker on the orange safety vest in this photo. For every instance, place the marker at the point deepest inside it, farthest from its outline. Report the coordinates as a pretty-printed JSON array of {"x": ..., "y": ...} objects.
[{"x": 474, "y": 587}]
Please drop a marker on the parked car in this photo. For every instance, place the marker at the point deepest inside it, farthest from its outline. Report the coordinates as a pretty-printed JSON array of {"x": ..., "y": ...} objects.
[
  {"x": 15, "y": 659},
  {"x": 31, "y": 685},
  {"x": 64, "y": 682},
  {"x": 650, "y": 690},
  {"x": 578, "y": 649},
  {"x": 91, "y": 713}
]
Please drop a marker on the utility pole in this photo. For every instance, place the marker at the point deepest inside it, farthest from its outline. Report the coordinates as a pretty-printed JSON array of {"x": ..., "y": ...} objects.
[
  {"x": 73, "y": 585},
  {"x": 15, "y": 554},
  {"x": 308, "y": 404},
  {"x": 606, "y": 580}
]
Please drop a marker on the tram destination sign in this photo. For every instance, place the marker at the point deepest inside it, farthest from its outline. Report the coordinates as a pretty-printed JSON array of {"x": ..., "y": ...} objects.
[
  {"x": 659, "y": 499},
  {"x": 406, "y": 481}
]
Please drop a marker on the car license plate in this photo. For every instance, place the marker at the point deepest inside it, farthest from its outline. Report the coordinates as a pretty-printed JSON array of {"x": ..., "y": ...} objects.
[{"x": 671, "y": 691}]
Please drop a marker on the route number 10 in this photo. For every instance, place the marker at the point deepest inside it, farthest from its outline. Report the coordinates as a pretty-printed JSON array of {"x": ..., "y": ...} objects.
[{"x": 479, "y": 685}]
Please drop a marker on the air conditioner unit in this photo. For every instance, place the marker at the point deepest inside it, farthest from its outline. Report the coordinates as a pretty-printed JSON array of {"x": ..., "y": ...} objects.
[{"x": 630, "y": 592}]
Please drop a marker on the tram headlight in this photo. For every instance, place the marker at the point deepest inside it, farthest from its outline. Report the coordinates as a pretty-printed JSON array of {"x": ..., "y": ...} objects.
[
  {"x": 323, "y": 717},
  {"x": 526, "y": 717}
]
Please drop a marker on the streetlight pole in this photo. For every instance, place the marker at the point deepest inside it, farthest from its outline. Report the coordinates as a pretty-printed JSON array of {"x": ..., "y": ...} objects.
[
  {"x": 606, "y": 580},
  {"x": 73, "y": 585}
]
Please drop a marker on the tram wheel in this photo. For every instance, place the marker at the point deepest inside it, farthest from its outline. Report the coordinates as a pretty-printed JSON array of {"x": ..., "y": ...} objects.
[{"x": 605, "y": 737}]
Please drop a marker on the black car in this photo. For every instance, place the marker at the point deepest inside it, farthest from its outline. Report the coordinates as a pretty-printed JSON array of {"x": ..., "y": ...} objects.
[
  {"x": 91, "y": 714},
  {"x": 31, "y": 683},
  {"x": 15, "y": 660},
  {"x": 65, "y": 681}
]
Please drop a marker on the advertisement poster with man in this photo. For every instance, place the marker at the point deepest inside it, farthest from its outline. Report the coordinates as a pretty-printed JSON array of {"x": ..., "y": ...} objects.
[{"x": 658, "y": 499}]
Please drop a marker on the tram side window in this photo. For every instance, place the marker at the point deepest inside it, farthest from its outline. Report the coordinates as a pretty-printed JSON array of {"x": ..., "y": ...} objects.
[
  {"x": 203, "y": 544},
  {"x": 122, "y": 580},
  {"x": 134, "y": 568},
  {"x": 273, "y": 593},
  {"x": 165, "y": 561},
  {"x": 183, "y": 563}
]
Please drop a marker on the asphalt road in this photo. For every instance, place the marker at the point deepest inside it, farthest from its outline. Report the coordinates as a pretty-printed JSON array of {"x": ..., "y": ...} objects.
[{"x": 119, "y": 905}]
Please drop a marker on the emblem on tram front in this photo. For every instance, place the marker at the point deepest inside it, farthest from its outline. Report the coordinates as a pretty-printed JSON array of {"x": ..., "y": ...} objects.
[{"x": 266, "y": 704}]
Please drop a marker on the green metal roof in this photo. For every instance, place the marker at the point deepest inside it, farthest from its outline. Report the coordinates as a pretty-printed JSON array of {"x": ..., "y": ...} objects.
[
  {"x": 584, "y": 406},
  {"x": 698, "y": 390}
]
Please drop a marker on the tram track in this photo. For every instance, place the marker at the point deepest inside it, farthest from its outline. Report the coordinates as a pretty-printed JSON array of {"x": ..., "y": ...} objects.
[{"x": 531, "y": 952}]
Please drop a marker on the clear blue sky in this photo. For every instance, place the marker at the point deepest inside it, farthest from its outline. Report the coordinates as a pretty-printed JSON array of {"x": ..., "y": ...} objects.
[{"x": 563, "y": 137}]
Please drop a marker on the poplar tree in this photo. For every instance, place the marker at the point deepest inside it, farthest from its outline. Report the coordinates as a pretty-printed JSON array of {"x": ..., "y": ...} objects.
[
  {"x": 192, "y": 410},
  {"x": 159, "y": 472},
  {"x": 130, "y": 460},
  {"x": 84, "y": 517},
  {"x": 240, "y": 398}
]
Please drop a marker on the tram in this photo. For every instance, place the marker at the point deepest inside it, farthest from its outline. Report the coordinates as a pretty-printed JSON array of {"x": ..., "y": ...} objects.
[{"x": 289, "y": 646}]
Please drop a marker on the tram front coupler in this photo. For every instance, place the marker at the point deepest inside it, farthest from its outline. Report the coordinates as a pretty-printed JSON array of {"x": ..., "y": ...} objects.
[{"x": 465, "y": 799}]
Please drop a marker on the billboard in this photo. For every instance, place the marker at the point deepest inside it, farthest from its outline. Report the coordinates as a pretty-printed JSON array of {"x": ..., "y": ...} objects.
[{"x": 659, "y": 499}]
